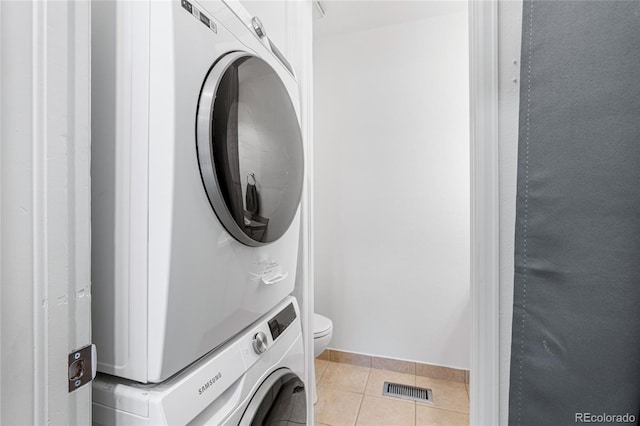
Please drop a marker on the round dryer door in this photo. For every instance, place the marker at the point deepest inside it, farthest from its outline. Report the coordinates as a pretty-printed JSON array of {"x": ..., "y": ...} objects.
[
  {"x": 249, "y": 148},
  {"x": 280, "y": 400}
]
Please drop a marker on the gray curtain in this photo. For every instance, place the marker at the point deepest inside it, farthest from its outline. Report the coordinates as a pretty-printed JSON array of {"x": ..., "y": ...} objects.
[{"x": 576, "y": 320}]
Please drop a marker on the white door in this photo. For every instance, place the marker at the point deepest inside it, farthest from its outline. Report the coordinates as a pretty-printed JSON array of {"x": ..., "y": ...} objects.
[
  {"x": 45, "y": 291},
  {"x": 280, "y": 400},
  {"x": 249, "y": 148}
]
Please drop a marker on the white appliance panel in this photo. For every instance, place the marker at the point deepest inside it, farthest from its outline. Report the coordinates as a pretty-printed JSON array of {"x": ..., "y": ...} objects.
[
  {"x": 175, "y": 284},
  {"x": 215, "y": 391}
]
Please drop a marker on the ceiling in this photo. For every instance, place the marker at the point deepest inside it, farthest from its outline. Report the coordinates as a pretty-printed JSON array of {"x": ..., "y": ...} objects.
[{"x": 357, "y": 15}]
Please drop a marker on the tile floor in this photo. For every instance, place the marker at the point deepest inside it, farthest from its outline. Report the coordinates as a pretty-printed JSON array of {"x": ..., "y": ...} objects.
[{"x": 352, "y": 395}]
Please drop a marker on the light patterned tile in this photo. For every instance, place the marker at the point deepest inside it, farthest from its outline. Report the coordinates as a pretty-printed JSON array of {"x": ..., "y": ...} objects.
[
  {"x": 448, "y": 395},
  {"x": 350, "y": 358},
  {"x": 386, "y": 411},
  {"x": 336, "y": 407},
  {"x": 429, "y": 416},
  {"x": 345, "y": 377},
  {"x": 400, "y": 366},
  {"x": 378, "y": 377},
  {"x": 320, "y": 367}
]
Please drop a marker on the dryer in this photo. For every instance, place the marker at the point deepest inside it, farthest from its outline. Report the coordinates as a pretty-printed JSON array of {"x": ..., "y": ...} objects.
[{"x": 197, "y": 173}]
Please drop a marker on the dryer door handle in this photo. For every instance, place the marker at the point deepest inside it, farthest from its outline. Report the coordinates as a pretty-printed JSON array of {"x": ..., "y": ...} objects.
[{"x": 276, "y": 279}]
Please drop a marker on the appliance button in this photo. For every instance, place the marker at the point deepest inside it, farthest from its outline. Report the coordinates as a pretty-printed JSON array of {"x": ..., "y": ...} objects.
[
  {"x": 260, "y": 342},
  {"x": 187, "y": 6},
  {"x": 258, "y": 27}
]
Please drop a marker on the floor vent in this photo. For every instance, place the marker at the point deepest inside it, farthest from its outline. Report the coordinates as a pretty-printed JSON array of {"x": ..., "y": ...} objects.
[{"x": 411, "y": 393}]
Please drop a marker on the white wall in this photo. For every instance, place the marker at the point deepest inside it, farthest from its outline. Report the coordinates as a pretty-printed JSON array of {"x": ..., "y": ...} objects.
[
  {"x": 509, "y": 37},
  {"x": 391, "y": 163}
]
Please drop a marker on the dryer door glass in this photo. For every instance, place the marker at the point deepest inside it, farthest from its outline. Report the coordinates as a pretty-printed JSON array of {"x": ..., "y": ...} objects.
[
  {"x": 249, "y": 148},
  {"x": 280, "y": 400}
]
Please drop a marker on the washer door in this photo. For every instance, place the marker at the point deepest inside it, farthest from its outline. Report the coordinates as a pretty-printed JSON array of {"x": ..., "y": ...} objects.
[
  {"x": 249, "y": 148},
  {"x": 281, "y": 399}
]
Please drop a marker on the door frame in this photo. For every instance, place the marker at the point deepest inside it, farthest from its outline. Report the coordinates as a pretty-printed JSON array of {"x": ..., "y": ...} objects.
[
  {"x": 45, "y": 210},
  {"x": 485, "y": 220}
]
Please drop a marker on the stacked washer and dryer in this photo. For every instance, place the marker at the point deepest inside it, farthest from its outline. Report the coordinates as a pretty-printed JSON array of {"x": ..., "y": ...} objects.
[{"x": 197, "y": 174}]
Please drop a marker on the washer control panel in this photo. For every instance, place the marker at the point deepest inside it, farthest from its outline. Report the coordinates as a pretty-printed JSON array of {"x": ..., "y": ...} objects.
[
  {"x": 283, "y": 319},
  {"x": 192, "y": 9}
]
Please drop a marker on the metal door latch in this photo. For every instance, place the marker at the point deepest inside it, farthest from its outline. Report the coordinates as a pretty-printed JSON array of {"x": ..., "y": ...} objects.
[{"x": 82, "y": 367}]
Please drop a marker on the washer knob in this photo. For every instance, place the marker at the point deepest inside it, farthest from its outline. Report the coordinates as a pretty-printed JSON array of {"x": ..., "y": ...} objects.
[
  {"x": 258, "y": 27},
  {"x": 260, "y": 342}
]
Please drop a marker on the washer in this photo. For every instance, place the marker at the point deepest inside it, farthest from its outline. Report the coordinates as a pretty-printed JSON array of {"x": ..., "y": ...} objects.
[
  {"x": 197, "y": 173},
  {"x": 255, "y": 379}
]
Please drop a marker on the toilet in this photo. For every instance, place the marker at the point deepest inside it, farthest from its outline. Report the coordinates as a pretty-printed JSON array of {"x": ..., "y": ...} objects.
[{"x": 322, "y": 332}]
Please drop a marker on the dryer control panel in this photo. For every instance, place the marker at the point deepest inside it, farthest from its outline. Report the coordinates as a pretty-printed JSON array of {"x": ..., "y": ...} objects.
[{"x": 282, "y": 320}]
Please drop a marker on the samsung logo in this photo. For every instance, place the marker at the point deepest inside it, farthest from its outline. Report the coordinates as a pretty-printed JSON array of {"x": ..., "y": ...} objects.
[{"x": 209, "y": 383}]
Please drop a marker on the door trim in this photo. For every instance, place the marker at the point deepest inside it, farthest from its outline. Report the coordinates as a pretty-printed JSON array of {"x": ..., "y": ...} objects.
[
  {"x": 485, "y": 344},
  {"x": 45, "y": 115}
]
